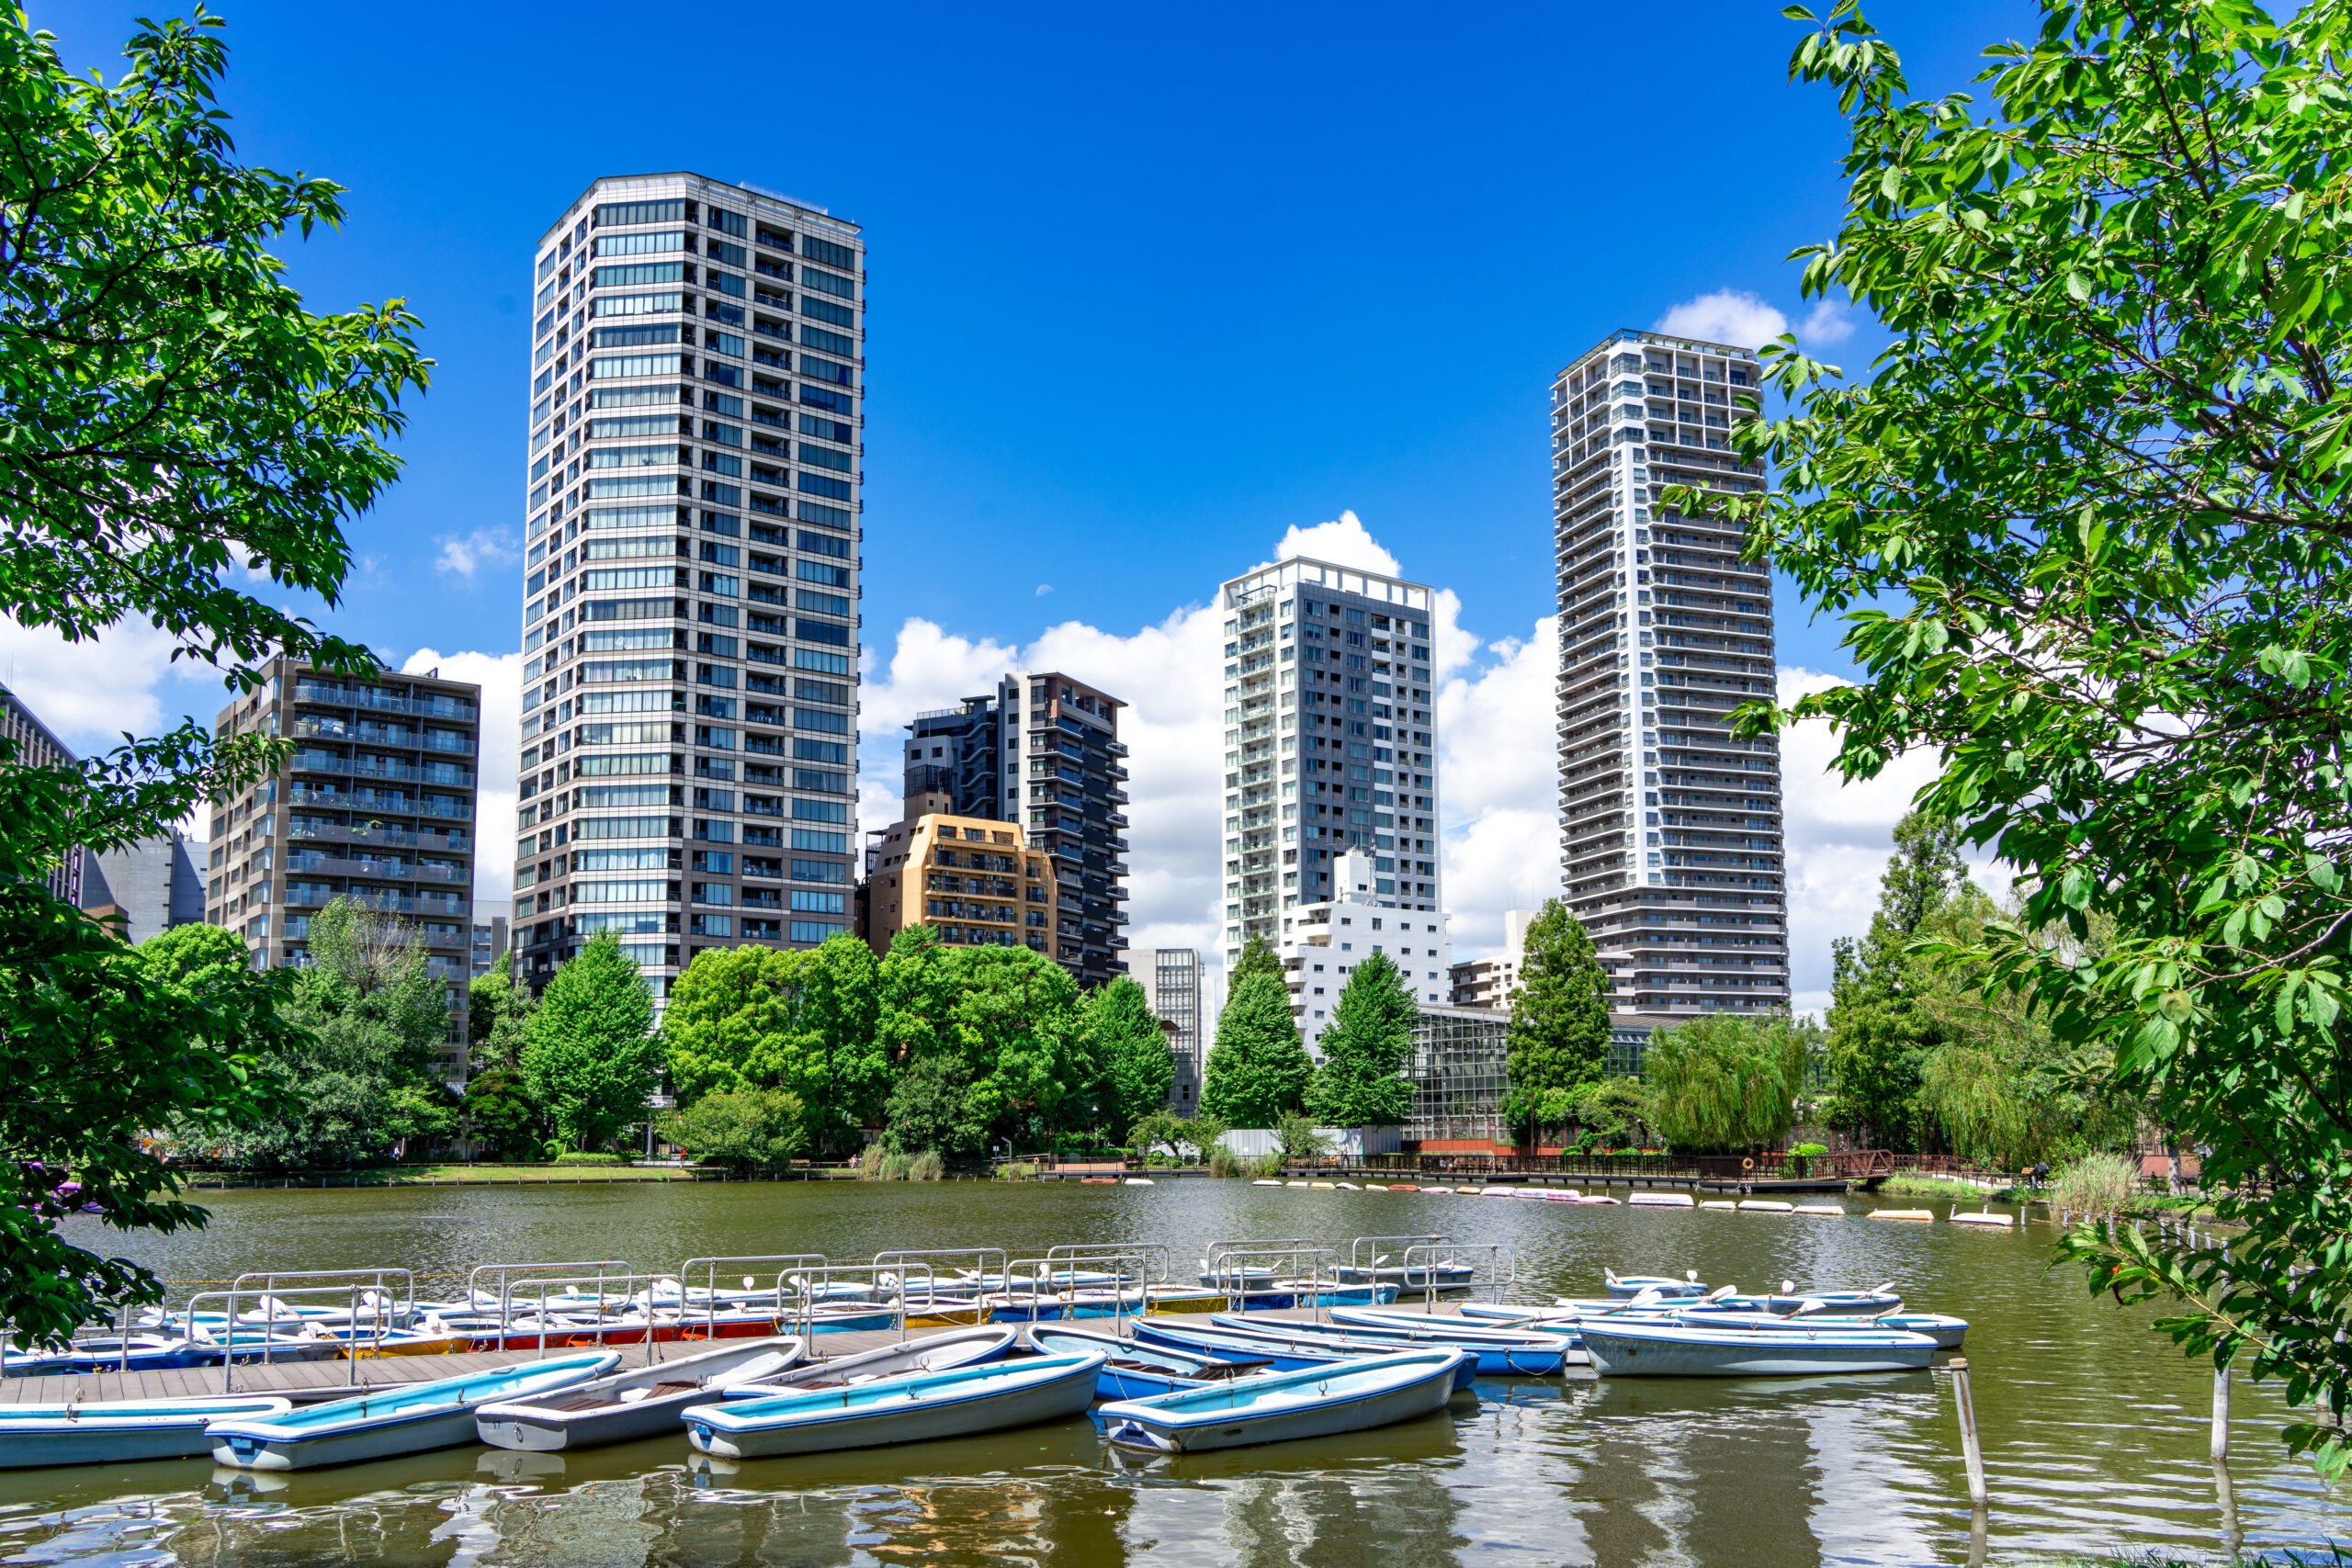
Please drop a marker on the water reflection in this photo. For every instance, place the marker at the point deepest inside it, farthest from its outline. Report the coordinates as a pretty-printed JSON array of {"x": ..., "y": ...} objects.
[{"x": 2095, "y": 1431}]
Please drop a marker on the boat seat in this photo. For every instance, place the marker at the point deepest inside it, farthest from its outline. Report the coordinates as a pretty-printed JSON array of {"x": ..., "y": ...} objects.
[{"x": 577, "y": 1402}]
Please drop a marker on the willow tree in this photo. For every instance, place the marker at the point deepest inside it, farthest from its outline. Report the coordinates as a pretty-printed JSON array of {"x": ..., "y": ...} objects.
[
  {"x": 1726, "y": 1082},
  {"x": 2089, "y": 524}
]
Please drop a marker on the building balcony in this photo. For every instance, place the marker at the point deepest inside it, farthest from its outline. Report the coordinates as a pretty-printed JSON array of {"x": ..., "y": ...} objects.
[{"x": 379, "y": 702}]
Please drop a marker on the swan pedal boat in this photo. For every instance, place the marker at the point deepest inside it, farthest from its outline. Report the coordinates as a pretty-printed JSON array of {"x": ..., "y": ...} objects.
[
  {"x": 35, "y": 1436},
  {"x": 627, "y": 1406},
  {"x": 1278, "y": 1407},
  {"x": 907, "y": 1408},
  {"x": 1143, "y": 1371},
  {"x": 1670, "y": 1349},
  {"x": 409, "y": 1418}
]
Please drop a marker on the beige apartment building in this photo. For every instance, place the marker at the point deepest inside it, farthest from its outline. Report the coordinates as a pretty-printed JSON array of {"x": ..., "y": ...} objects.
[{"x": 973, "y": 880}]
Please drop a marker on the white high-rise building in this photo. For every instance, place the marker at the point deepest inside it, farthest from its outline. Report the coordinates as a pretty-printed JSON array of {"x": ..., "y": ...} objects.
[
  {"x": 1672, "y": 844},
  {"x": 1322, "y": 942},
  {"x": 690, "y": 616},
  {"x": 1331, "y": 742}
]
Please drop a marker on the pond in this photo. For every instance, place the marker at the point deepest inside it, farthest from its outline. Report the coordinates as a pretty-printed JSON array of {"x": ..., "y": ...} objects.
[{"x": 2095, "y": 1431}]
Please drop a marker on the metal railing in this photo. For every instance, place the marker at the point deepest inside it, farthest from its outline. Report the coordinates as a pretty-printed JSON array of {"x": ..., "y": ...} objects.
[
  {"x": 611, "y": 1294},
  {"x": 499, "y": 1280},
  {"x": 1289, "y": 1269},
  {"x": 949, "y": 1257},
  {"x": 780, "y": 1268},
  {"x": 1500, "y": 1281},
  {"x": 367, "y": 1294}
]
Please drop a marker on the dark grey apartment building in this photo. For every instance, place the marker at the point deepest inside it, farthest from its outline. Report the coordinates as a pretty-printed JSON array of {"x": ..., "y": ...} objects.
[
  {"x": 690, "y": 627},
  {"x": 1042, "y": 750},
  {"x": 375, "y": 805},
  {"x": 33, "y": 746}
]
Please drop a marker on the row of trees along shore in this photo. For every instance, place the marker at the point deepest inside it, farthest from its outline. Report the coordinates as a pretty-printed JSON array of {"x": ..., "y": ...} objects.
[{"x": 2087, "y": 522}]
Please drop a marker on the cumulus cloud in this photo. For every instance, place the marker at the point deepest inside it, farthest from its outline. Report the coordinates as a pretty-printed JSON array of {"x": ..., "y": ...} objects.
[
  {"x": 1345, "y": 542},
  {"x": 463, "y": 555},
  {"x": 90, "y": 694},
  {"x": 1728, "y": 315},
  {"x": 500, "y": 676},
  {"x": 1828, "y": 321}
]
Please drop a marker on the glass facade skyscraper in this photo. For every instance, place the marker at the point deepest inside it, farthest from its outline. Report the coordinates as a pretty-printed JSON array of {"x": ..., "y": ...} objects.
[{"x": 690, "y": 616}]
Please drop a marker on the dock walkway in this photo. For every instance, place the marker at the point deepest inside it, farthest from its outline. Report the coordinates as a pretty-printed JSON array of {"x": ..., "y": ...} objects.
[{"x": 313, "y": 1383}]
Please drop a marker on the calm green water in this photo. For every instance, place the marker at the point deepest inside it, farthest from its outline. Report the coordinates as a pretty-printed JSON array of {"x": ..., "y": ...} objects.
[{"x": 2094, "y": 1429}]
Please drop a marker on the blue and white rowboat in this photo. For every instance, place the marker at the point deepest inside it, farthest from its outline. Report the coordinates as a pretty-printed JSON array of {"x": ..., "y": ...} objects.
[
  {"x": 1143, "y": 1371},
  {"x": 409, "y": 1419},
  {"x": 39, "y": 1436},
  {"x": 911, "y": 1407},
  {"x": 1289, "y": 1351},
  {"x": 1501, "y": 1352},
  {"x": 1280, "y": 1406}
]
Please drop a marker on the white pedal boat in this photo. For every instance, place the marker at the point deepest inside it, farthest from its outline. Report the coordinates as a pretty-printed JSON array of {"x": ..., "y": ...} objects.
[
  {"x": 35, "y": 1436},
  {"x": 405, "y": 1419},
  {"x": 1353, "y": 1396},
  {"x": 626, "y": 1405},
  {"x": 911, "y": 1407}
]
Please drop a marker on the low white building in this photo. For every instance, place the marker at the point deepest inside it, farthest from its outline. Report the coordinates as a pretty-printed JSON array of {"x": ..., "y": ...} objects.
[{"x": 1322, "y": 942}]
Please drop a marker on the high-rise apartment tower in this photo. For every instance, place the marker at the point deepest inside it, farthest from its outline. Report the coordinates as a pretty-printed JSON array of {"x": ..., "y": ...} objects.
[
  {"x": 690, "y": 602},
  {"x": 1330, "y": 741},
  {"x": 1176, "y": 1001},
  {"x": 1672, "y": 843},
  {"x": 375, "y": 807},
  {"x": 1065, "y": 783}
]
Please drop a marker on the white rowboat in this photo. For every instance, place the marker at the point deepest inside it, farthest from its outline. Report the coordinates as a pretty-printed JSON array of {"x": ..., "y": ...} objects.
[
  {"x": 1662, "y": 1350},
  {"x": 627, "y": 1406}
]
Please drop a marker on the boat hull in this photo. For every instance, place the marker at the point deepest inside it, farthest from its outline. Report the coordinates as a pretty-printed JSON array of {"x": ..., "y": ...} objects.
[
  {"x": 129, "y": 1431},
  {"x": 531, "y": 1427},
  {"x": 386, "y": 1422},
  {"x": 416, "y": 1434},
  {"x": 1287, "y": 1352},
  {"x": 912, "y": 1421},
  {"x": 1138, "y": 1425},
  {"x": 1619, "y": 1353}
]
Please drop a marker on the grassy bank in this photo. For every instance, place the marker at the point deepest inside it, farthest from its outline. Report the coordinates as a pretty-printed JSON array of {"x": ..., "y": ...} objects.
[
  {"x": 442, "y": 1176},
  {"x": 1947, "y": 1186}
]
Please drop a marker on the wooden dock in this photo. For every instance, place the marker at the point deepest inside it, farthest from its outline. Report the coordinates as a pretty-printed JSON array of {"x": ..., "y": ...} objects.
[{"x": 313, "y": 1383}]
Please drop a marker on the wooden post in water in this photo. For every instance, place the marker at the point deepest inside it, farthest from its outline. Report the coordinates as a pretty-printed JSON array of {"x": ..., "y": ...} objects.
[
  {"x": 1970, "y": 1449},
  {"x": 2220, "y": 1413}
]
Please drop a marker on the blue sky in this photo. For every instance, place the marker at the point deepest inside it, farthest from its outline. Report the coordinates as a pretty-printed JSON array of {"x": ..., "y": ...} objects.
[
  {"x": 1149, "y": 284},
  {"x": 1149, "y": 288}
]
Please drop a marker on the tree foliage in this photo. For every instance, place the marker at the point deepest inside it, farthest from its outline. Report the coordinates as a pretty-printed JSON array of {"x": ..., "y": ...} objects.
[
  {"x": 174, "y": 419},
  {"x": 1257, "y": 1071},
  {"x": 1726, "y": 1082},
  {"x": 1558, "y": 1043},
  {"x": 366, "y": 1017},
  {"x": 741, "y": 1128},
  {"x": 1883, "y": 1027},
  {"x": 2086, "y": 525},
  {"x": 1366, "y": 1050},
  {"x": 1131, "y": 1054},
  {"x": 589, "y": 1051}
]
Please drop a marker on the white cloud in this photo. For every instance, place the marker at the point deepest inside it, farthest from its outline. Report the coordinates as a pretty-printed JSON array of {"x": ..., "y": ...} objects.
[
  {"x": 500, "y": 676},
  {"x": 1828, "y": 321},
  {"x": 1728, "y": 315},
  {"x": 1346, "y": 542},
  {"x": 463, "y": 555},
  {"x": 1499, "y": 788},
  {"x": 89, "y": 693}
]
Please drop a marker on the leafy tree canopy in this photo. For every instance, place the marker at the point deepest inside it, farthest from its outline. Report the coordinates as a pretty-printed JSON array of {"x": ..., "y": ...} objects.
[
  {"x": 173, "y": 418},
  {"x": 1367, "y": 1050},
  {"x": 589, "y": 1051},
  {"x": 1558, "y": 1042},
  {"x": 1257, "y": 1071},
  {"x": 2086, "y": 525},
  {"x": 1131, "y": 1052},
  {"x": 741, "y": 1127},
  {"x": 1725, "y": 1082}
]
